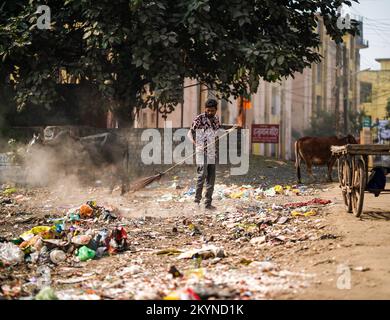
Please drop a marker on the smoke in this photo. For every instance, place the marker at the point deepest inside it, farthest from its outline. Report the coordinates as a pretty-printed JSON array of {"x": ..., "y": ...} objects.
[
  {"x": 68, "y": 171},
  {"x": 65, "y": 168}
]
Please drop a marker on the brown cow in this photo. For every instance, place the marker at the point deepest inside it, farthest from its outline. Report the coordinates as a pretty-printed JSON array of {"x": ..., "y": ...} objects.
[{"x": 316, "y": 151}]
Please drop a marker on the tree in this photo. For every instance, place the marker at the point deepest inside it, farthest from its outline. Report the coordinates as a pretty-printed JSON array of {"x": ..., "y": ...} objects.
[
  {"x": 388, "y": 108},
  {"x": 355, "y": 119},
  {"x": 136, "y": 53},
  {"x": 324, "y": 124}
]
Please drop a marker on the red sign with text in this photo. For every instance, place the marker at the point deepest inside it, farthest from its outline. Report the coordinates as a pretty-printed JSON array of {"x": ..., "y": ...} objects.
[{"x": 265, "y": 133}]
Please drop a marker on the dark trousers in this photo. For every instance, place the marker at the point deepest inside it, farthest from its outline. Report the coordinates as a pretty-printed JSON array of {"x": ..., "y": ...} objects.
[{"x": 205, "y": 172}]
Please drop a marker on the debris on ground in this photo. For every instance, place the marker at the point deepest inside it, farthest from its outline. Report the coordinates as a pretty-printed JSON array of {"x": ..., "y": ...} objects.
[{"x": 91, "y": 251}]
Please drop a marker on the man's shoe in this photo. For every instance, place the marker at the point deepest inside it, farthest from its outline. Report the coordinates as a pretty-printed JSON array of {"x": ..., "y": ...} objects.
[
  {"x": 197, "y": 201},
  {"x": 210, "y": 207}
]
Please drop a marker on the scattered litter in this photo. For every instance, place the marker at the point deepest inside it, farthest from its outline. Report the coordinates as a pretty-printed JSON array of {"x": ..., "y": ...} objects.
[
  {"x": 361, "y": 269},
  {"x": 328, "y": 236},
  {"x": 84, "y": 253},
  {"x": 134, "y": 269},
  {"x": 175, "y": 272},
  {"x": 205, "y": 252},
  {"x": 263, "y": 266},
  {"x": 10, "y": 254},
  {"x": 84, "y": 232},
  {"x": 57, "y": 256},
  {"x": 169, "y": 252},
  {"x": 258, "y": 240},
  {"x": 9, "y": 191},
  {"x": 186, "y": 294},
  {"x": 309, "y": 213},
  {"x": 74, "y": 280},
  {"x": 303, "y": 204},
  {"x": 46, "y": 293}
]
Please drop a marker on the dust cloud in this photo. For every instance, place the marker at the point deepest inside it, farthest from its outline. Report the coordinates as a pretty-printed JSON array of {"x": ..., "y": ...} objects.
[{"x": 66, "y": 169}]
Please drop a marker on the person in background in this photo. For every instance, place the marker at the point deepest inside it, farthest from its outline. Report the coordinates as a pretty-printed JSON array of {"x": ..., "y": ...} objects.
[{"x": 203, "y": 133}]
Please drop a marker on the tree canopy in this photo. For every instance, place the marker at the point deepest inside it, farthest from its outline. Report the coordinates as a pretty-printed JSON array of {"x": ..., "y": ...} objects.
[
  {"x": 138, "y": 52},
  {"x": 323, "y": 123}
]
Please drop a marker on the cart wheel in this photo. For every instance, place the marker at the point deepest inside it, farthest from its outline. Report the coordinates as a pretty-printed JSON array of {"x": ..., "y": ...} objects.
[
  {"x": 345, "y": 180},
  {"x": 358, "y": 187},
  {"x": 340, "y": 169}
]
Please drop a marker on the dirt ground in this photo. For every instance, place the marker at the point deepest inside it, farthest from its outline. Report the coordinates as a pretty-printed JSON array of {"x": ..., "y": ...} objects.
[
  {"x": 364, "y": 242},
  {"x": 264, "y": 251}
]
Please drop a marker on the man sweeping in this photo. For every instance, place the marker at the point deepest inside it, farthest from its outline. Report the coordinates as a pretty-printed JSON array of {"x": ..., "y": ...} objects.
[{"x": 203, "y": 133}]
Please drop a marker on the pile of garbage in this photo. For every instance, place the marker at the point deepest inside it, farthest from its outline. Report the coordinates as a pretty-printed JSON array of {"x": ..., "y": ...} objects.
[
  {"x": 70, "y": 237},
  {"x": 259, "y": 193},
  {"x": 244, "y": 192},
  {"x": 267, "y": 224}
]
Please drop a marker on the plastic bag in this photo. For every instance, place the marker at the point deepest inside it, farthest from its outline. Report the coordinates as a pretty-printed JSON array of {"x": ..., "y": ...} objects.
[
  {"x": 10, "y": 254},
  {"x": 84, "y": 253},
  {"x": 81, "y": 239},
  {"x": 46, "y": 293},
  {"x": 86, "y": 211},
  {"x": 278, "y": 189},
  {"x": 45, "y": 231}
]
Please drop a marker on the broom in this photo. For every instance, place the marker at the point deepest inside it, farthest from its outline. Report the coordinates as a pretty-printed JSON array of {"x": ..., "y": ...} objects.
[{"x": 142, "y": 183}]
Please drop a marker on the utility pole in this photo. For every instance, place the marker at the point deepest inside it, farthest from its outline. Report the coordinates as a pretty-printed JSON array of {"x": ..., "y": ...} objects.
[
  {"x": 345, "y": 88},
  {"x": 282, "y": 122},
  {"x": 241, "y": 119},
  {"x": 337, "y": 92}
]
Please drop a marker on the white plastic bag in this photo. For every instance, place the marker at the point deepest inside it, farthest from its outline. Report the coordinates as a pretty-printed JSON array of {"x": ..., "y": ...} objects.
[{"x": 10, "y": 254}]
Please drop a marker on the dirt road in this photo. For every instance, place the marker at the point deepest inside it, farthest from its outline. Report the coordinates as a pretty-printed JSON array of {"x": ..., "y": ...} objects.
[{"x": 364, "y": 243}]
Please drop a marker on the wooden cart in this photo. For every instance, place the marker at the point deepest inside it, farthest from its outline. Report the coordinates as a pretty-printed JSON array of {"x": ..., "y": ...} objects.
[{"x": 353, "y": 172}]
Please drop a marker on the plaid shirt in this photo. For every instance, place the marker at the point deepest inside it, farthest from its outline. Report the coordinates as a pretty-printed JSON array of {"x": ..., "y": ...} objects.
[{"x": 206, "y": 129}]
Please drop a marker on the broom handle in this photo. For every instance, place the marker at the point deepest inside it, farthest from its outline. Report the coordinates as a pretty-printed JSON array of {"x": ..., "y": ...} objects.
[{"x": 181, "y": 162}]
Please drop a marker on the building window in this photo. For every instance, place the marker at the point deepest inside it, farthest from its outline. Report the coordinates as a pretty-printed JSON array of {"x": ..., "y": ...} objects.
[{"x": 365, "y": 92}]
